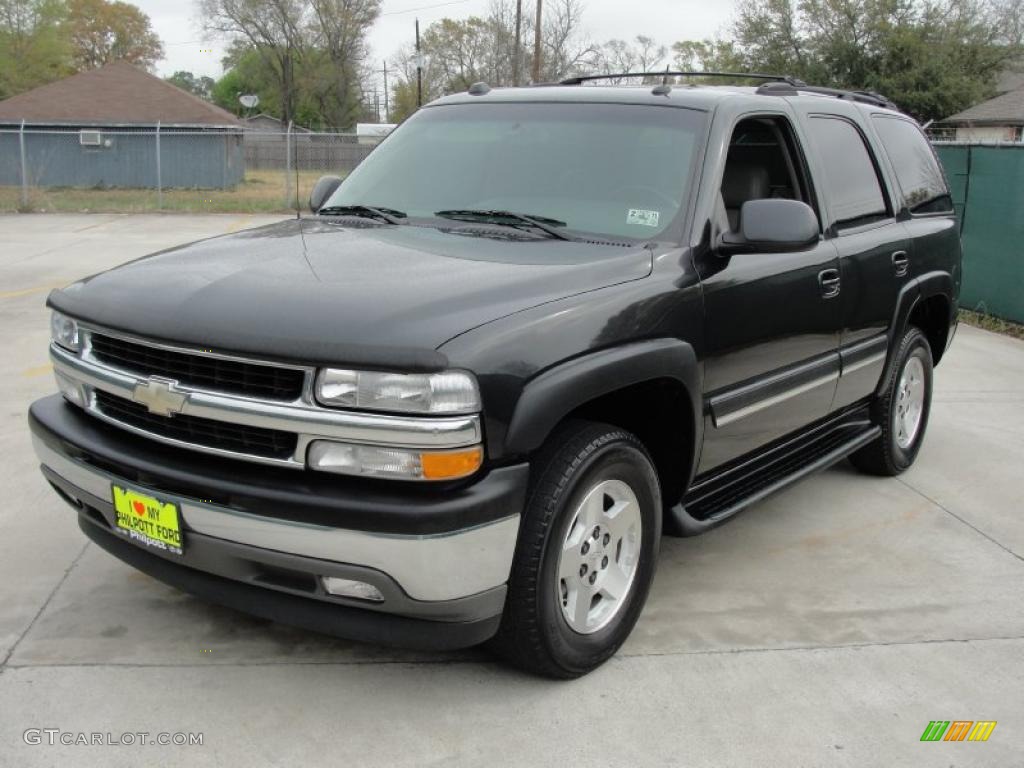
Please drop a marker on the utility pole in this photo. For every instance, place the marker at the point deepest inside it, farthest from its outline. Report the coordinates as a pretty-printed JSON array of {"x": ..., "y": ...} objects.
[
  {"x": 536, "y": 42},
  {"x": 387, "y": 112},
  {"x": 419, "y": 68},
  {"x": 517, "y": 54}
]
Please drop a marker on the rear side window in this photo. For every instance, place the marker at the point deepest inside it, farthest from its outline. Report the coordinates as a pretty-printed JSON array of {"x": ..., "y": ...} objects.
[
  {"x": 918, "y": 172},
  {"x": 851, "y": 180}
]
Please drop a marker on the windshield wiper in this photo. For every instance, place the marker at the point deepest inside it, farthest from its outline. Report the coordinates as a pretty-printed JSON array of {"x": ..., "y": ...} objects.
[
  {"x": 390, "y": 215},
  {"x": 509, "y": 218}
]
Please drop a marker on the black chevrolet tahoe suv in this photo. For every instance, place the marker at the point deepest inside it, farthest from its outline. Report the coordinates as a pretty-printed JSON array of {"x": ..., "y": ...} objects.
[{"x": 533, "y": 331}]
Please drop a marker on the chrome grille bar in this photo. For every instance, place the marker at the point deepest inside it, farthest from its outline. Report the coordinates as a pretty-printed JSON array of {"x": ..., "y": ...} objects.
[{"x": 302, "y": 417}]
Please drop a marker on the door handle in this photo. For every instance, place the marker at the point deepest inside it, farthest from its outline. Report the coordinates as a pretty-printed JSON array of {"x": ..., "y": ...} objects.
[
  {"x": 901, "y": 263},
  {"x": 828, "y": 279}
]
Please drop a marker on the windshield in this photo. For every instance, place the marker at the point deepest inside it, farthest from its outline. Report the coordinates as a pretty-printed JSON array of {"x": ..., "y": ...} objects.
[{"x": 610, "y": 169}]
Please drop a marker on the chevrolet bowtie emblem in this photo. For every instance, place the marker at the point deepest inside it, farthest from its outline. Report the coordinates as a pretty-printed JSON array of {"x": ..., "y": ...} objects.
[{"x": 160, "y": 396}]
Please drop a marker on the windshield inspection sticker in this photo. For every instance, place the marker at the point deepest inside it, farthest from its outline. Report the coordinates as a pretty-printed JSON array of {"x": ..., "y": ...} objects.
[{"x": 643, "y": 218}]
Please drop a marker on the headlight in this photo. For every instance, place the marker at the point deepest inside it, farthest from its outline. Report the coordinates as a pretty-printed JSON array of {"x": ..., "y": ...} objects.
[
  {"x": 64, "y": 331},
  {"x": 449, "y": 392}
]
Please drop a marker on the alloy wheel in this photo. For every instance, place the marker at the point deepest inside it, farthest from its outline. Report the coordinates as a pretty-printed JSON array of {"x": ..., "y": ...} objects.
[
  {"x": 598, "y": 560},
  {"x": 909, "y": 410}
]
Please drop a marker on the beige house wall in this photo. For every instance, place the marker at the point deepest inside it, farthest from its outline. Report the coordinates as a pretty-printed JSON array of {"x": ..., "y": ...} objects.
[{"x": 995, "y": 134}]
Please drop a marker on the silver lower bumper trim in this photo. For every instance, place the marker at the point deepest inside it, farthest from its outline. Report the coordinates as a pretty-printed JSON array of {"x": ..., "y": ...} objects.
[{"x": 435, "y": 567}]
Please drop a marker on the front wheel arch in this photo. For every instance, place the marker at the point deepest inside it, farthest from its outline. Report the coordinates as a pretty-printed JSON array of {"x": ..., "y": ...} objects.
[{"x": 650, "y": 388}]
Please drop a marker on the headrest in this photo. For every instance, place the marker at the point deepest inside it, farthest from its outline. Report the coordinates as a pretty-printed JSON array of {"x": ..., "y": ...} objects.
[{"x": 744, "y": 182}]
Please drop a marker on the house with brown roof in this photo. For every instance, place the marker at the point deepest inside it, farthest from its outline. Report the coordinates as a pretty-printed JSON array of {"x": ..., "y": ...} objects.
[
  {"x": 999, "y": 120},
  {"x": 118, "y": 126}
]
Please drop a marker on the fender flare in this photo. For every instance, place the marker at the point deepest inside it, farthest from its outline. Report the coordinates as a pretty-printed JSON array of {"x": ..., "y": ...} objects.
[
  {"x": 915, "y": 291},
  {"x": 555, "y": 393}
]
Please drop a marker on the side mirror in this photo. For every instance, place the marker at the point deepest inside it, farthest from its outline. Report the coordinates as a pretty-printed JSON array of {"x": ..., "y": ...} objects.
[
  {"x": 772, "y": 225},
  {"x": 322, "y": 191}
]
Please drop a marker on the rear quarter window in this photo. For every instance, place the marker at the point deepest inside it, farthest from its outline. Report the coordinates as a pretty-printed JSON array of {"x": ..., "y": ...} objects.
[{"x": 918, "y": 172}]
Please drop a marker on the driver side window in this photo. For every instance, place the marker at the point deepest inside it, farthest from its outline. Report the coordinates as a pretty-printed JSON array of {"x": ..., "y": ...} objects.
[{"x": 762, "y": 163}]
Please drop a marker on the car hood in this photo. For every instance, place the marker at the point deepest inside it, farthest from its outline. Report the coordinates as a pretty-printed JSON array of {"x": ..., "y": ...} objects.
[{"x": 316, "y": 291}]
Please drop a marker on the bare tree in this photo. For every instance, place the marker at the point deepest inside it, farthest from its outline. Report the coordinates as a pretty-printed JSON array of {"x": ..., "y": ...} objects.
[
  {"x": 277, "y": 29},
  {"x": 641, "y": 55},
  {"x": 1010, "y": 19},
  {"x": 461, "y": 52},
  {"x": 502, "y": 20},
  {"x": 566, "y": 51},
  {"x": 338, "y": 31}
]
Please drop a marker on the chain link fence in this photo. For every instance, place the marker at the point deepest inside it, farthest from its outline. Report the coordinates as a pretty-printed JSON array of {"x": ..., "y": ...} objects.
[
  {"x": 126, "y": 170},
  {"x": 168, "y": 169}
]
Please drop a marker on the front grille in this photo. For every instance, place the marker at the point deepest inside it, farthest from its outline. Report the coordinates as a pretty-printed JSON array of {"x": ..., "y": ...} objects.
[
  {"x": 256, "y": 441},
  {"x": 198, "y": 370}
]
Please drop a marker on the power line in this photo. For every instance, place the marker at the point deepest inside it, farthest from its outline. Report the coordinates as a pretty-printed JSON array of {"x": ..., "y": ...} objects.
[{"x": 425, "y": 7}]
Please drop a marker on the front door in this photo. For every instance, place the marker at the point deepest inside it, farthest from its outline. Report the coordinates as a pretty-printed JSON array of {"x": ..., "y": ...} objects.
[{"x": 772, "y": 319}]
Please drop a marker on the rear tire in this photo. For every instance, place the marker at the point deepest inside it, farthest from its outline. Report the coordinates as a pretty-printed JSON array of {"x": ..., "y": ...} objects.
[
  {"x": 586, "y": 553},
  {"x": 901, "y": 411}
]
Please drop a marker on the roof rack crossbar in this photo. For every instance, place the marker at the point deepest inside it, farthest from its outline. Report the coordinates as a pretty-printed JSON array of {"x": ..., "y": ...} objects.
[
  {"x": 864, "y": 97},
  {"x": 580, "y": 79}
]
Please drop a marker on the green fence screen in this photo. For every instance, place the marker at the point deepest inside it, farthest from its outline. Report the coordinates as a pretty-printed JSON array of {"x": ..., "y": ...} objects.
[{"x": 988, "y": 191}]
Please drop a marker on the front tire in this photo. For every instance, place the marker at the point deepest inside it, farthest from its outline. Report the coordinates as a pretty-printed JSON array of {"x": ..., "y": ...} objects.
[
  {"x": 586, "y": 554},
  {"x": 902, "y": 410}
]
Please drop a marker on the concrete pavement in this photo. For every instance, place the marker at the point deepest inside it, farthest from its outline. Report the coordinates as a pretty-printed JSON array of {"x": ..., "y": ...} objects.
[{"x": 825, "y": 626}]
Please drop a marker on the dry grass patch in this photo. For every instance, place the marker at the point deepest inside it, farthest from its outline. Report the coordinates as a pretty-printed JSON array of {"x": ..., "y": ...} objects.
[
  {"x": 261, "y": 192},
  {"x": 991, "y": 323}
]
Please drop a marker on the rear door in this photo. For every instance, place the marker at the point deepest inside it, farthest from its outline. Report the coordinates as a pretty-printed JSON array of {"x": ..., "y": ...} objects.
[
  {"x": 922, "y": 194},
  {"x": 873, "y": 246}
]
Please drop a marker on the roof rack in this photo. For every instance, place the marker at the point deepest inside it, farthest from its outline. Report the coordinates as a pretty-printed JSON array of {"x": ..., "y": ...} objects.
[
  {"x": 792, "y": 89},
  {"x": 580, "y": 79},
  {"x": 774, "y": 85}
]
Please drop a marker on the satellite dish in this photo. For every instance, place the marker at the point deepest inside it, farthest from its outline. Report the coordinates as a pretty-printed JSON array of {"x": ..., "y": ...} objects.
[{"x": 249, "y": 100}]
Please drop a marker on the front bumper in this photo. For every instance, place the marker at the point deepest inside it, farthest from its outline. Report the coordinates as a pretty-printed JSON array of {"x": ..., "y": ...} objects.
[{"x": 259, "y": 539}]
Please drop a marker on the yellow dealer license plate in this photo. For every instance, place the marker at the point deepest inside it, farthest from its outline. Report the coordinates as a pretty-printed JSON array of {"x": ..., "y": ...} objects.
[{"x": 147, "y": 520}]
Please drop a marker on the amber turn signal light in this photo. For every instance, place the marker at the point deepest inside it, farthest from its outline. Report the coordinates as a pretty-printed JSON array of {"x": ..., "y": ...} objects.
[{"x": 451, "y": 465}]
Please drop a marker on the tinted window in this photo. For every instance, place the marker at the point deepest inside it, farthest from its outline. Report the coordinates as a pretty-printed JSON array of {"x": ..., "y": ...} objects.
[
  {"x": 604, "y": 168},
  {"x": 855, "y": 196},
  {"x": 917, "y": 170}
]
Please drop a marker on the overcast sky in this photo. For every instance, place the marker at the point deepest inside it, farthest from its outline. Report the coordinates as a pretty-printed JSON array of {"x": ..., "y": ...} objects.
[{"x": 176, "y": 23}]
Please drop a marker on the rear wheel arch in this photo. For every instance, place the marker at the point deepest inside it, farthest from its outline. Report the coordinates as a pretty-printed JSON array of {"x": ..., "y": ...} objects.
[
  {"x": 927, "y": 302},
  {"x": 901, "y": 411},
  {"x": 933, "y": 316}
]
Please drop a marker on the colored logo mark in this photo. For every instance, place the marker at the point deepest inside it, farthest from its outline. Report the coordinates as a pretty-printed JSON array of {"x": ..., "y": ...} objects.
[{"x": 958, "y": 730}]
